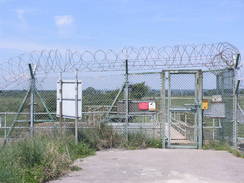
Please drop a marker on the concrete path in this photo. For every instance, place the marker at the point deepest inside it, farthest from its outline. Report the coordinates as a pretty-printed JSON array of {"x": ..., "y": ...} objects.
[{"x": 158, "y": 166}]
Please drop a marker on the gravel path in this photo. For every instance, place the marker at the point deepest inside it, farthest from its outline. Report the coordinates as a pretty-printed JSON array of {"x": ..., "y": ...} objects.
[{"x": 158, "y": 166}]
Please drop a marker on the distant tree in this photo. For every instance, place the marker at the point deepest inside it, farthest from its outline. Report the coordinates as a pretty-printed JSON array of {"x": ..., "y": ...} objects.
[
  {"x": 90, "y": 91},
  {"x": 139, "y": 90}
]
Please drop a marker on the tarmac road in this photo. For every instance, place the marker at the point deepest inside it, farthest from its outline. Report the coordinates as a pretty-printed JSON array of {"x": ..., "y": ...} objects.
[{"x": 158, "y": 166}]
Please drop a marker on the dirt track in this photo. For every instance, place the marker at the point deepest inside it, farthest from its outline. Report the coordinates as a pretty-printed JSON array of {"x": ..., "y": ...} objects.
[{"x": 158, "y": 166}]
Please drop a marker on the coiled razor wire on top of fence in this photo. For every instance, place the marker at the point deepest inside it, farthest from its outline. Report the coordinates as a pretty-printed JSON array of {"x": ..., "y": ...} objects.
[
  {"x": 103, "y": 98},
  {"x": 202, "y": 56}
]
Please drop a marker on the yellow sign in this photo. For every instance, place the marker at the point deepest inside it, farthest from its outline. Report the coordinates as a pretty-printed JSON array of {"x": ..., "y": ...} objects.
[{"x": 205, "y": 104}]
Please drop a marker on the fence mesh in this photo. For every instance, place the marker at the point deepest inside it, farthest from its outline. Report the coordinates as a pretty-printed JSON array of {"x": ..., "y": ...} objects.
[
  {"x": 145, "y": 104},
  {"x": 218, "y": 126},
  {"x": 104, "y": 100},
  {"x": 240, "y": 115}
]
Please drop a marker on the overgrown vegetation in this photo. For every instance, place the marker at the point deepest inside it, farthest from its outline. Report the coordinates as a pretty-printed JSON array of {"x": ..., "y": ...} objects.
[
  {"x": 223, "y": 147},
  {"x": 104, "y": 137},
  {"x": 39, "y": 159},
  {"x": 46, "y": 157}
]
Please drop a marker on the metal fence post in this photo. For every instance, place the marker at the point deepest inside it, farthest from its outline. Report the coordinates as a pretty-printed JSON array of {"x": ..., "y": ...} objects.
[
  {"x": 76, "y": 106},
  {"x": 235, "y": 125},
  {"x": 61, "y": 100},
  {"x": 5, "y": 126},
  {"x": 168, "y": 109},
  {"x": 199, "y": 108},
  {"x": 235, "y": 98},
  {"x": 213, "y": 129},
  {"x": 32, "y": 101},
  {"x": 163, "y": 110},
  {"x": 235, "y": 92},
  {"x": 126, "y": 99}
]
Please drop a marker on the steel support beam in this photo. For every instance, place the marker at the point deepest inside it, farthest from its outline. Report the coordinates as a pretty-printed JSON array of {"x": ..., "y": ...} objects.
[
  {"x": 199, "y": 97},
  {"x": 126, "y": 93},
  {"x": 163, "y": 109},
  {"x": 76, "y": 106}
]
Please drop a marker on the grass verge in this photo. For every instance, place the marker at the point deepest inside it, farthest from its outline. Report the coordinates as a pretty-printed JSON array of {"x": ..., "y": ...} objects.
[
  {"x": 104, "y": 137},
  {"x": 223, "y": 147},
  {"x": 46, "y": 157},
  {"x": 39, "y": 159}
]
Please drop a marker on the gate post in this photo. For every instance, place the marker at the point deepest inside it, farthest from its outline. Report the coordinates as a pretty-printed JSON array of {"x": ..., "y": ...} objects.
[
  {"x": 163, "y": 109},
  {"x": 168, "y": 109},
  {"x": 236, "y": 84},
  {"x": 76, "y": 106},
  {"x": 32, "y": 100},
  {"x": 199, "y": 85},
  {"x": 126, "y": 95},
  {"x": 235, "y": 121},
  {"x": 61, "y": 101}
]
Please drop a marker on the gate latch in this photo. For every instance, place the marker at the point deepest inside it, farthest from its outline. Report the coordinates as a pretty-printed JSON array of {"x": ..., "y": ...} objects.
[{"x": 192, "y": 107}]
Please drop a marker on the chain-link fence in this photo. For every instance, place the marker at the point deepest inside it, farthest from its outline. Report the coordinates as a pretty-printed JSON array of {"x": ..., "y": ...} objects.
[
  {"x": 101, "y": 96},
  {"x": 219, "y": 121},
  {"x": 161, "y": 104},
  {"x": 240, "y": 115},
  {"x": 104, "y": 100}
]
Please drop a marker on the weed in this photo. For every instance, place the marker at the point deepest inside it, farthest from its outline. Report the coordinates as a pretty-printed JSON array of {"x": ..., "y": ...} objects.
[
  {"x": 39, "y": 159},
  {"x": 223, "y": 147},
  {"x": 75, "y": 168}
]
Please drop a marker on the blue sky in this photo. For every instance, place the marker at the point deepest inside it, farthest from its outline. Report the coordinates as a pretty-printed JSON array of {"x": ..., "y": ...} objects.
[{"x": 26, "y": 25}]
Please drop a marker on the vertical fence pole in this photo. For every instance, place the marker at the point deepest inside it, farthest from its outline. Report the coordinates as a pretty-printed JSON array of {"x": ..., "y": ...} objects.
[
  {"x": 235, "y": 98},
  {"x": 214, "y": 129},
  {"x": 76, "y": 106},
  {"x": 5, "y": 126},
  {"x": 168, "y": 109},
  {"x": 31, "y": 113},
  {"x": 61, "y": 100},
  {"x": 163, "y": 110},
  {"x": 32, "y": 101},
  {"x": 199, "y": 108},
  {"x": 236, "y": 88},
  {"x": 126, "y": 99}
]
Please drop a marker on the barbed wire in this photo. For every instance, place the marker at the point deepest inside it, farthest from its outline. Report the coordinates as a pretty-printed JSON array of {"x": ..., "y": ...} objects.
[{"x": 204, "y": 56}]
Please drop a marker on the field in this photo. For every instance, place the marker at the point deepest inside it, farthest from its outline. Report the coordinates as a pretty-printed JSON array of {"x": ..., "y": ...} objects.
[{"x": 11, "y": 100}]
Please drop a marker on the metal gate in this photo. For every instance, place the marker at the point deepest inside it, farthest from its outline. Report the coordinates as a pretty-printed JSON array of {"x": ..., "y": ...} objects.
[{"x": 182, "y": 104}]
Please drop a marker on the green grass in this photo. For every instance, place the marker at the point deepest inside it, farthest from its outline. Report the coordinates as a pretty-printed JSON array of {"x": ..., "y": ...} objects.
[
  {"x": 140, "y": 141},
  {"x": 104, "y": 137},
  {"x": 46, "y": 157},
  {"x": 75, "y": 168},
  {"x": 223, "y": 147},
  {"x": 40, "y": 159}
]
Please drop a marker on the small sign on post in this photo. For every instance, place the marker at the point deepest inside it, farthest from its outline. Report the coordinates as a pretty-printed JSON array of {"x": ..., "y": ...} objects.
[
  {"x": 152, "y": 106},
  {"x": 216, "y": 109},
  {"x": 66, "y": 96},
  {"x": 217, "y": 99},
  {"x": 204, "y": 104}
]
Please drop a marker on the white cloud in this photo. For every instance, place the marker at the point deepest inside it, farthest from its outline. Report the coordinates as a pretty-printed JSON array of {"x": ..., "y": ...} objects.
[
  {"x": 63, "y": 20},
  {"x": 65, "y": 26},
  {"x": 22, "y": 17}
]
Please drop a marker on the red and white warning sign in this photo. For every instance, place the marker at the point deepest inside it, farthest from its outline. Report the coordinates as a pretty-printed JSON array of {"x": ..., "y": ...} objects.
[
  {"x": 147, "y": 106},
  {"x": 152, "y": 106},
  {"x": 143, "y": 106}
]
